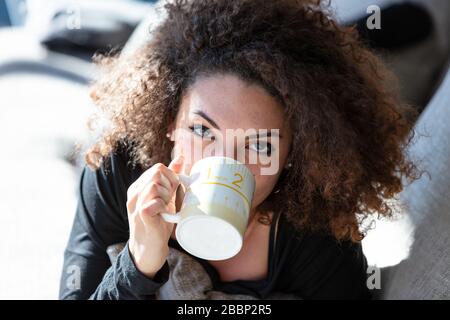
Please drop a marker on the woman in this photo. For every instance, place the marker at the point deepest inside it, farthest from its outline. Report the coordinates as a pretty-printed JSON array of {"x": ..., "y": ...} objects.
[{"x": 283, "y": 66}]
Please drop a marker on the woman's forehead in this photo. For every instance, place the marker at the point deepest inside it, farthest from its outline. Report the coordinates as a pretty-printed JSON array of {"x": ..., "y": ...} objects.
[{"x": 231, "y": 102}]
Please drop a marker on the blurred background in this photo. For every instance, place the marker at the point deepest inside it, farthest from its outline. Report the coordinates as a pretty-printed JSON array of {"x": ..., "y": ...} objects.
[{"x": 46, "y": 48}]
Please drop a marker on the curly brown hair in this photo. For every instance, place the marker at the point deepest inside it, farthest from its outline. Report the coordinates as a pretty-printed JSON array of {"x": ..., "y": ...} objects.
[{"x": 350, "y": 128}]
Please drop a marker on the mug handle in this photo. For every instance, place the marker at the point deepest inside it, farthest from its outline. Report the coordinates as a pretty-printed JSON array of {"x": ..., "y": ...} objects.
[{"x": 176, "y": 217}]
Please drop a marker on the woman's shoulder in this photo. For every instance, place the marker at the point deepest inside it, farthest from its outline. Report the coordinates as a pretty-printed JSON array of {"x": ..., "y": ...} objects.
[
  {"x": 297, "y": 237},
  {"x": 317, "y": 265},
  {"x": 109, "y": 183},
  {"x": 101, "y": 214}
]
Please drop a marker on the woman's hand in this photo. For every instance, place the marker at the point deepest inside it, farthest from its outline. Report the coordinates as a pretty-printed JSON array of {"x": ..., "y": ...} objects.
[{"x": 154, "y": 192}]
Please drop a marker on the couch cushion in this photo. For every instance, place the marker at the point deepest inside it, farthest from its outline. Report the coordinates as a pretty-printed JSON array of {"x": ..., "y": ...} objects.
[{"x": 425, "y": 274}]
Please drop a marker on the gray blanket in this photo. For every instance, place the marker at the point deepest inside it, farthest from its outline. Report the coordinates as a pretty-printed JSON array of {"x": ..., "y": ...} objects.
[{"x": 189, "y": 280}]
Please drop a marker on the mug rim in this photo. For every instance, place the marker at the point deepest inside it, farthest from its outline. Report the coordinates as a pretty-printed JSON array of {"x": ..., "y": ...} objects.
[
  {"x": 206, "y": 216},
  {"x": 233, "y": 161}
]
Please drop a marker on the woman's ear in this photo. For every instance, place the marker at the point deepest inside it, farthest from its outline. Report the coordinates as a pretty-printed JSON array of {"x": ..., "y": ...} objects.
[{"x": 170, "y": 132}]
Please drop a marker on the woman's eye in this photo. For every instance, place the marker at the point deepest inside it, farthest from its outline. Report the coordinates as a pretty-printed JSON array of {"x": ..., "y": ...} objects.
[
  {"x": 202, "y": 131},
  {"x": 261, "y": 147}
]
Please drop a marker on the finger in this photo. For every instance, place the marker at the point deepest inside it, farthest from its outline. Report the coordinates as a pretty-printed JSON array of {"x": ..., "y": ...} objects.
[
  {"x": 135, "y": 190},
  {"x": 167, "y": 177},
  {"x": 163, "y": 173},
  {"x": 151, "y": 209},
  {"x": 151, "y": 174},
  {"x": 151, "y": 191},
  {"x": 164, "y": 181},
  {"x": 177, "y": 164},
  {"x": 172, "y": 171}
]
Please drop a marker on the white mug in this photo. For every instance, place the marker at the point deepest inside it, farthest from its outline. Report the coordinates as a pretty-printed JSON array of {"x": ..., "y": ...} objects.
[{"x": 214, "y": 213}]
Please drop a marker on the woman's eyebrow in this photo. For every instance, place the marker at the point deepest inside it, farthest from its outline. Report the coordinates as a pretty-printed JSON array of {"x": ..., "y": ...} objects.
[
  {"x": 206, "y": 117},
  {"x": 266, "y": 134}
]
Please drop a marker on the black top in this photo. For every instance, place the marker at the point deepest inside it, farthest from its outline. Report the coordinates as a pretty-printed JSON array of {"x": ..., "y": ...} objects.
[{"x": 310, "y": 266}]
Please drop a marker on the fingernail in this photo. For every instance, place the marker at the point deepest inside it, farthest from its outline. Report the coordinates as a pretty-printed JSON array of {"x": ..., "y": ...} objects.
[{"x": 179, "y": 158}]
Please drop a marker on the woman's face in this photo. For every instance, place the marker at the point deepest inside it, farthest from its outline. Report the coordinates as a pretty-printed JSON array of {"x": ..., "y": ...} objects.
[{"x": 221, "y": 115}]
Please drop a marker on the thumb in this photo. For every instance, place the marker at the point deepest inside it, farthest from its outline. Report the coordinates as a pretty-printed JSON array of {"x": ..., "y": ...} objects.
[{"x": 177, "y": 164}]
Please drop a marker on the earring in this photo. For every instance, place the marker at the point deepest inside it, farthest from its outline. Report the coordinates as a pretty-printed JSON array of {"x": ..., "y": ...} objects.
[
  {"x": 168, "y": 135},
  {"x": 289, "y": 165}
]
